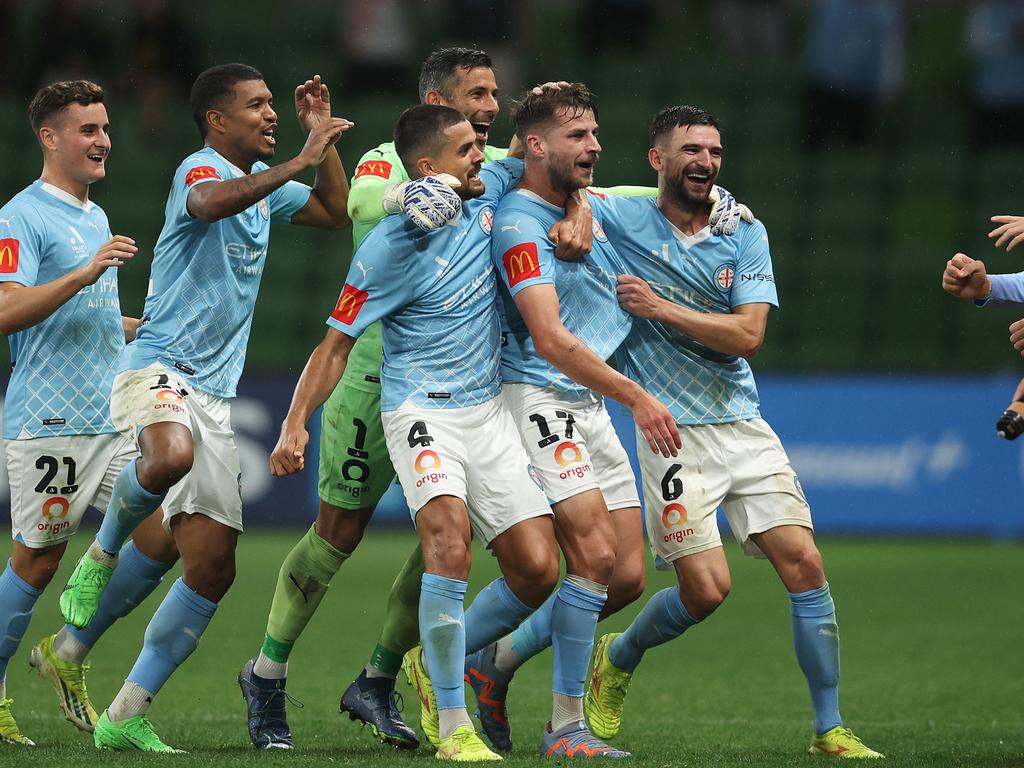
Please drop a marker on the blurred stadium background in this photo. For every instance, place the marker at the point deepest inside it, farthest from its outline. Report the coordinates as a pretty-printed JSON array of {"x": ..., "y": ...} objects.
[{"x": 873, "y": 137}]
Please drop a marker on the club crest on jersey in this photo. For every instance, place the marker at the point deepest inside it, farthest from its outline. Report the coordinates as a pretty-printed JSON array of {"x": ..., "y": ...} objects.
[
  {"x": 598, "y": 230},
  {"x": 381, "y": 168},
  {"x": 201, "y": 172},
  {"x": 349, "y": 304},
  {"x": 486, "y": 219},
  {"x": 9, "y": 248},
  {"x": 264, "y": 208},
  {"x": 724, "y": 276},
  {"x": 521, "y": 263}
]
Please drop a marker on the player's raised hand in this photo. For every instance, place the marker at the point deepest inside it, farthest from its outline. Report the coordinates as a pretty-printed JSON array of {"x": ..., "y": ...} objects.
[
  {"x": 1010, "y": 232},
  {"x": 726, "y": 213},
  {"x": 288, "y": 456},
  {"x": 321, "y": 138},
  {"x": 550, "y": 85},
  {"x": 573, "y": 235},
  {"x": 1017, "y": 338},
  {"x": 312, "y": 102},
  {"x": 113, "y": 253},
  {"x": 966, "y": 278},
  {"x": 656, "y": 425},
  {"x": 636, "y": 297}
]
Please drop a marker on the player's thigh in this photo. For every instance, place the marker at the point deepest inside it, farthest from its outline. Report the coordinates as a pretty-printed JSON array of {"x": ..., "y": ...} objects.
[
  {"x": 503, "y": 489},
  {"x": 682, "y": 494},
  {"x": 444, "y": 529},
  {"x": 428, "y": 450},
  {"x": 556, "y": 443},
  {"x": 355, "y": 468},
  {"x": 213, "y": 487},
  {"x": 766, "y": 492},
  {"x": 54, "y": 479}
]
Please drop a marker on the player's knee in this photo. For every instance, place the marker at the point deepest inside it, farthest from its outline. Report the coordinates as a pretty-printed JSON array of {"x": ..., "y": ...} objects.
[
  {"x": 158, "y": 473},
  {"x": 536, "y": 575},
  {"x": 448, "y": 556},
  {"x": 703, "y": 599},
  {"x": 628, "y": 584},
  {"x": 37, "y": 566},
  {"x": 213, "y": 577},
  {"x": 342, "y": 528},
  {"x": 806, "y": 569}
]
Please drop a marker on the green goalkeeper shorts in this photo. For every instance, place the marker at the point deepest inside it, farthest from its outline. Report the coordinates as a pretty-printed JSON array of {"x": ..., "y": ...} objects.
[{"x": 355, "y": 468}]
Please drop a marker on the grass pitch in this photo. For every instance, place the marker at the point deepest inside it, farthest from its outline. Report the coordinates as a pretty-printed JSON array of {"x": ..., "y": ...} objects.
[{"x": 932, "y": 668}]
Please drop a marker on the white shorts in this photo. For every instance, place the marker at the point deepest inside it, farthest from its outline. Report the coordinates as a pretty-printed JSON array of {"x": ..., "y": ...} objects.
[
  {"x": 741, "y": 467},
  {"x": 157, "y": 394},
  {"x": 572, "y": 444},
  {"x": 472, "y": 453},
  {"x": 53, "y": 480}
]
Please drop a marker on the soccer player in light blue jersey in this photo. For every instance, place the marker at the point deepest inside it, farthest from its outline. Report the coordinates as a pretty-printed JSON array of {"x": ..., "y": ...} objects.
[
  {"x": 175, "y": 381},
  {"x": 59, "y": 308},
  {"x": 452, "y": 441},
  {"x": 701, "y": 303},
  {"x": 563, "y": 321}
]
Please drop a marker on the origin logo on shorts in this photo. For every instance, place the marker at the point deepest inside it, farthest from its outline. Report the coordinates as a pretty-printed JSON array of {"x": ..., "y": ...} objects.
[
  {"x": 521, "y": 263},
  {"x": 9, "y": 248},
  {"x": 567, "y": 454},
  {"x": 169, "y": 400},
  {"x": 201, "y": 172},
  {"x": 380, "y": 168},
  {"x": 673, "y": 516},
  {"x": 428, "y": 464},
  {"x": 349, "y": 304},
  {"x": 54, "y": 510}
]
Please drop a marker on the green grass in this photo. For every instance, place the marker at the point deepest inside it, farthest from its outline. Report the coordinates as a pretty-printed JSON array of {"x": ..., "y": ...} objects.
[{"x": 932, "y": 671}]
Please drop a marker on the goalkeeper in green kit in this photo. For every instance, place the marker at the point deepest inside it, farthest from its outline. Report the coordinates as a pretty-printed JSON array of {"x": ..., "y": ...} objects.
[{"x": 355, "y": 469}]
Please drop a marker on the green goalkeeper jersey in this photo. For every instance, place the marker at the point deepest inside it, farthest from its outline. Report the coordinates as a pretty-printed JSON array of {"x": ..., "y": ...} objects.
[{"x": 377, "y": 168}]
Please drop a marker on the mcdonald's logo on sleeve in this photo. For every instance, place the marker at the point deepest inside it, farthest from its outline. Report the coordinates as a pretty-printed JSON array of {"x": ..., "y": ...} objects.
[
  {"x": 521, "y": 263},
  {"x": 381, "y": 168},
  {"x": 201, "y": 172},
  {"x": 8, "y": 255},
  {"x": 349, "y": 304}
]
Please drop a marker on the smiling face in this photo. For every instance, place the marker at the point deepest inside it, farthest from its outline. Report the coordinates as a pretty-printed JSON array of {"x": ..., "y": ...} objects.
[
  {"x": 688, "y": 161},
  {"x": 568, "y": 149},
  {"x": 474, "y": 93},
  {"x": 76, "y": 142},
  {"x": 248, "y": 120},
  {"x": 461, "y": 157}
]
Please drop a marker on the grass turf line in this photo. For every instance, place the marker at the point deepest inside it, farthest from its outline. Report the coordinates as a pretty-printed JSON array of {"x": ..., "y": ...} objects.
[{"x": 931, "y": 673}]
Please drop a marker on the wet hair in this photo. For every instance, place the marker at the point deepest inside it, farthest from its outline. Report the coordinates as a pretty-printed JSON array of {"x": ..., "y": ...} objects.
[
  {"x": 438, "y": 71},
  {"x": 214, "y": 87},
  {"x": 54, "y": 97},
  {"x": 420, "y": 131},
  {"x": 670, "y": 118},
  {"x": 533, "y": 109}
]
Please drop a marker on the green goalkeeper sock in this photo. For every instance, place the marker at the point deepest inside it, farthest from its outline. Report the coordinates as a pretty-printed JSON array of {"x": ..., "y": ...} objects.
[
  {"x": 401, "y": 630},
  {"x": 301, "y": 585}
]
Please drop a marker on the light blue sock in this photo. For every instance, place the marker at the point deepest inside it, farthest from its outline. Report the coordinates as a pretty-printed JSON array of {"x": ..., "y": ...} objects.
[
  {"x": 534, "y": 635},
  {"x": 663, "y": 618},
  {"x": 173, "y": 633},
  {"x": 444, "y": 637},
  {"x": 129, "y": 505},
  {"x": 17, "y": 597},
  {"x": 816, "y": 639},
  {"x": 492, "y": 614},
  {"x": 135, "y": 577},
  {"x": 573, "y": 622}
]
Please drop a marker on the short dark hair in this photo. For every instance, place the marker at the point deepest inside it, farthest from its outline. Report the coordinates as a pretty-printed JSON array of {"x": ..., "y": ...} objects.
[
  {"x": 420, "y": 130},
  {"x": 533, "y": 109},
  {"x": 56, "y": 96},
  {"x": 670, "y": 118},
  {"x": 214, "y": 86},
  {"x": 438, "y": 71}
]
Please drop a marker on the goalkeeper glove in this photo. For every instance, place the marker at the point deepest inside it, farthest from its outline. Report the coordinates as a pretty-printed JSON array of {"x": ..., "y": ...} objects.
[
  {"x": 430, "y": 202},
  {"x": 726, "y": 212}
]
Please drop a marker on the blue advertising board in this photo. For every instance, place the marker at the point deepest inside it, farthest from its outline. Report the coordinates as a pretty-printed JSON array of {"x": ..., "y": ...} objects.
[{"x": 875, "y": 454}]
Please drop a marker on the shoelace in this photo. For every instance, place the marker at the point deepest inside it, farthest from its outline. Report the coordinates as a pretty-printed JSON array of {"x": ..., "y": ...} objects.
[
  {"x": 396, "y": 702},
  {"x": 272, "y": 699}
]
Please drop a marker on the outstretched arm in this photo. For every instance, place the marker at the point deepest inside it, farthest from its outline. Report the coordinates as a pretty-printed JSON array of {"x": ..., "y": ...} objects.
[{"x": 319, "y": 378}]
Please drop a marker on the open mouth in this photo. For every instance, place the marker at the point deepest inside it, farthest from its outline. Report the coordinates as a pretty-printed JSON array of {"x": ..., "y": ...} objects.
[
  {"x": 268, "y": 134},
  {"x": 482, "y": 130},
  {"x": 98, "y": 157}
]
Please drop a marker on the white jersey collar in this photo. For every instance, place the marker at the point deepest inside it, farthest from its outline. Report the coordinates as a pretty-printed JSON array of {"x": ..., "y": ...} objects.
[
  {"x": 688, "y": 241},
  {"x": 66, "y": 197}
]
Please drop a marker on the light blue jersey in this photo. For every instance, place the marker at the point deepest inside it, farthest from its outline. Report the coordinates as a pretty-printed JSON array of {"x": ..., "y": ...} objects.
[
  {"x": 205, "y": 278},
  {"x": 588, "y": 307},
  {"x": 63, "y": 366},
  {"x": 706, "y": 273},
  {"x": 436, "y": 296}
]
